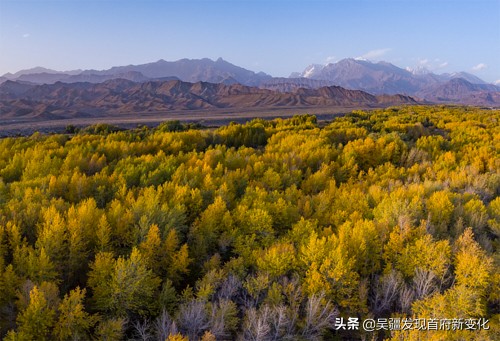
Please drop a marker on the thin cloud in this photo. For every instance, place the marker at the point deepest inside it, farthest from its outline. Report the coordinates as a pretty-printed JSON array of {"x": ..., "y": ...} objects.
[
  {"x": 428, "y": 64},
  {"x": 374, "y": 54},
  {"x": 330, "y": 59},
  {"x": 479, "y": 67},
  {"x": 26, "y": 35}
]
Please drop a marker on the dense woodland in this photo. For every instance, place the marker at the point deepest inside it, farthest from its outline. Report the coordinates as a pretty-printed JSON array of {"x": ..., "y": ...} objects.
[{"x": 268, "y": 230}]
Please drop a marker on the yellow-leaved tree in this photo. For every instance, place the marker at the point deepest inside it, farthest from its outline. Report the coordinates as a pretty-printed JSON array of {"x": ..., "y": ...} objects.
[{"x": 466, "y": 299}]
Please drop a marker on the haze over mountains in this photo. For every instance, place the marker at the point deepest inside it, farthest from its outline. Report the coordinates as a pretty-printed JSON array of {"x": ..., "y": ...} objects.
[{"x": 354, "y": 74}]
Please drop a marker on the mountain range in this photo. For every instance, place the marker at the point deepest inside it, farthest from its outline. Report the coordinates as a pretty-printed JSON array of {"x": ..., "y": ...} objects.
[
  {"x": 383, "y": 77},
  {"x": 353, "y": 74},
  {"x": 187, "y": 70},
  {"x": 116, "y": 96}
]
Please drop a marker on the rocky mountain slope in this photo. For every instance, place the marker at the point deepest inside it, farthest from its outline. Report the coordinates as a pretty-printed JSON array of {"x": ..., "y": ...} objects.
[
  {"x": 61, "y": 100},
  {"x": 376, "y": 78},
  {"x": 386, "y": 78},
  {"x": 460, "y": 91}
]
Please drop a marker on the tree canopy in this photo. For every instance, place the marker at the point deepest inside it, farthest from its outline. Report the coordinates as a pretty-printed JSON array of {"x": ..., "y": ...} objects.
[{"x": 268, "y": 230}]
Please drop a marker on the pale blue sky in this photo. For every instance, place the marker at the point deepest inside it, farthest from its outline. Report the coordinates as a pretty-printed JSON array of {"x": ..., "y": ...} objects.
[{"x": 274, "y": 36}]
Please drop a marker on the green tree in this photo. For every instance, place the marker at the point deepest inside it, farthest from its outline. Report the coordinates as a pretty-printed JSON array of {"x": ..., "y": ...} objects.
[
  {"x": 123, "y": 286},
  {"x": 36, "y": 321},
  {"x": 74, "y": 322}
]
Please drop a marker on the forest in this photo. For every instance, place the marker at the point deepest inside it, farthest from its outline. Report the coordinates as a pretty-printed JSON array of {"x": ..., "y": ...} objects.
[{"x": 269, "y": 230}]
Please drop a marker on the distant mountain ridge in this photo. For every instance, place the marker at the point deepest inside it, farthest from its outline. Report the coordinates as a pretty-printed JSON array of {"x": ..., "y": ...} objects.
[
  {"x": 459, "y": 90},
  {"x": 354, "y": 74},
  {"x": 377, "y": 78},
  {"x": 117, "y": 96},
  {"x": 188, "y": 70},
  {"x": 38, "y": 69},
  {"x": 381, "y": 77},
  {"x": 282, "y": 84}
]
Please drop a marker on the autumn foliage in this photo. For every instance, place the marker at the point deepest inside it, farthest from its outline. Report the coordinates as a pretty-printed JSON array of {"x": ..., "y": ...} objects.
[{"x": 267, "y": 230}]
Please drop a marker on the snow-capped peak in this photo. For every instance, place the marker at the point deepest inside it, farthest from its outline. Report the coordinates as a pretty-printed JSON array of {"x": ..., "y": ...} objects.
[{"x": 311, "y": 70}]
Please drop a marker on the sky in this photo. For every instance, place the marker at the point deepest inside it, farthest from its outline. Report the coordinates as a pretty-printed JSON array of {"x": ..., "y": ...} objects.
[{"x": 277, "y": 37}]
